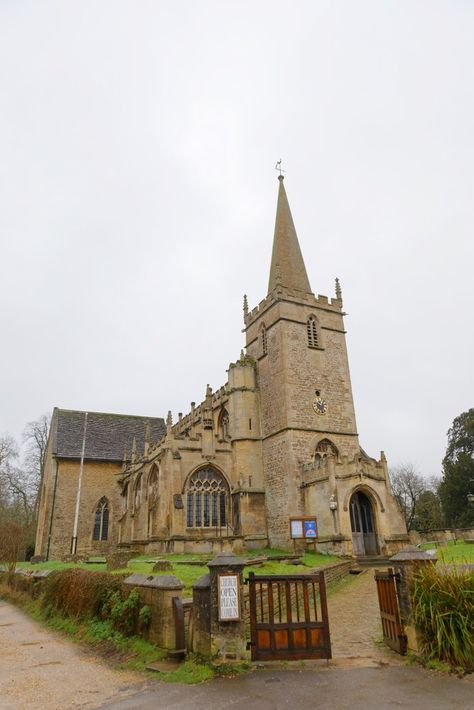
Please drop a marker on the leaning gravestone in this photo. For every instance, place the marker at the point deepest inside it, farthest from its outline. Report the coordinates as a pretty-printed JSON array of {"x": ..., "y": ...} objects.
[
  {"x": 36, "y": 559},
  {"x": 162, "y": 566},
  {"x": 118, "y": 559}
]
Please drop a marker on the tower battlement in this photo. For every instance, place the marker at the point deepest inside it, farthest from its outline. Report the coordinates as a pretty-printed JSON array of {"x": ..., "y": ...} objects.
[{"x": 292, "y": 296}]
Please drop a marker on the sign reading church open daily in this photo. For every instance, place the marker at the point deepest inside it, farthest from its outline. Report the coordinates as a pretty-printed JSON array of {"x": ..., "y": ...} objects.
[
  {"x": 229, "y": 599},
  {"x": 304, "y": 528}
]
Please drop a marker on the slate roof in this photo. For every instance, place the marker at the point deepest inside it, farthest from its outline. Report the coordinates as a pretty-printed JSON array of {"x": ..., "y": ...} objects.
[{"x": 106, "y": 437}]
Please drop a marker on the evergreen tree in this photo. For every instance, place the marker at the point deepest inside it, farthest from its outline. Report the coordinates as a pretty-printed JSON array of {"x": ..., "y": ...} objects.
[{"x": 458, "y": 472}]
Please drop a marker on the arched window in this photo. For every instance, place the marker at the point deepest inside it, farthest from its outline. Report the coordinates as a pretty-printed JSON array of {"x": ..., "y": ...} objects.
[
  {"x": 207, "y": 499},
  {"x": 153, "y": 487},
  {"x": 223, "y": 423},
  {"x": 324, "y": 448},
  {"x": 312, "y": 331},
  {"x": 101, "y": 520},
  {"x": 137, "y": 498},
  {"x": 263, "y": 340},
  {"x": 125, "y": 496}
]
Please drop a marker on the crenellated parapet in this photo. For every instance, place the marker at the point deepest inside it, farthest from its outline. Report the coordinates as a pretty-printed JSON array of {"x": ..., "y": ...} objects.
[
  {"x": 282, "y": 294},
  {"x": 344, "y": 467}
]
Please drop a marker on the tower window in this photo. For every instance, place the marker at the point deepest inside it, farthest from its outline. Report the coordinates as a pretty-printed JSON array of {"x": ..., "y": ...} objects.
[
  {"x": 263, "y": 337},
  {"x": 101, "y": 520},
  {"x": 312, "y": 331},
  {"x": 324, "y": 448},
  {"x": 207, "y": 499}
]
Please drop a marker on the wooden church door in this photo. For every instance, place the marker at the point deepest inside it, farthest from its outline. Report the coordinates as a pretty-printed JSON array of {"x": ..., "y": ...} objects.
[{"x": 364, "y": 539}]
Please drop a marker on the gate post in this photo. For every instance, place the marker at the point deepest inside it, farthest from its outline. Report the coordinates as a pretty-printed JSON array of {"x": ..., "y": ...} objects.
[
  {"x": 228, "y": 640},
  {"x": 408, "y": 562}
]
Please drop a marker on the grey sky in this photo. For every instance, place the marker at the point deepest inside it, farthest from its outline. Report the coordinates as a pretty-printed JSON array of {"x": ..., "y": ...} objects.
[{"x": 137, "y": 199}]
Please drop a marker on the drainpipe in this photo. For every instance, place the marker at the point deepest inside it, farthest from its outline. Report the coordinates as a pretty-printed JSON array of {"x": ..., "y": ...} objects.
[
  {"x": 78, "y": 496},
  {"x": 52, "y": 509}
]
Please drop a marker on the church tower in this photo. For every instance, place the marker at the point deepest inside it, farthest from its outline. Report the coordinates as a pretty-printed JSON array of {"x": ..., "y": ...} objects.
[{"x": 298, "y": 341}]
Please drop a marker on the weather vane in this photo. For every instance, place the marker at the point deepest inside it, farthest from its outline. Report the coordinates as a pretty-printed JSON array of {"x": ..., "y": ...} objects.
[{"x": 279, "y": 168}]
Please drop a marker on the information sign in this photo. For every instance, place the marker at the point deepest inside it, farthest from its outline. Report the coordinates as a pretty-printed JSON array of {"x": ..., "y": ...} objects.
[
  {"x": 229, "y": 597},
  {"x": 310, "y": 528},
  {"x": 306, "y": 528},
  {"x": 297, "y": 528}
]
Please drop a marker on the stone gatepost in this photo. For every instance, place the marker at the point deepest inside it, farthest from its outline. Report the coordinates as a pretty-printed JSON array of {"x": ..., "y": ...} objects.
[
  {"x": 227, "y": 625},
  {"x": 200, "y": 626},
  {"x": 408, "y": 562},
  {"x": 158, "y": 592}
]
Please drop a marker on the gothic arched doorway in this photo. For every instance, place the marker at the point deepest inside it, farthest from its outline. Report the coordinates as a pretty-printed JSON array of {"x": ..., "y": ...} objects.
[{"x": 364, "y": 538}]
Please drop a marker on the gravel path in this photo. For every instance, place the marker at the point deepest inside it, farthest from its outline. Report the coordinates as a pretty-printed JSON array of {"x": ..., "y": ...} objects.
[
  {"x": 41, "y": 669},
  {"x": 355, "y": 626}
]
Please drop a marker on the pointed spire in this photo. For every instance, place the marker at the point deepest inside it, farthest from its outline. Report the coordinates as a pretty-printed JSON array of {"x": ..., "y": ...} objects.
[
  {"x": 246, "y": 306},
  {"x": 287, "y": 269},
  {"x": 134, "y": 449},
  {"x": 338, "y": 290},
  {"x": 169, "y": 421}
]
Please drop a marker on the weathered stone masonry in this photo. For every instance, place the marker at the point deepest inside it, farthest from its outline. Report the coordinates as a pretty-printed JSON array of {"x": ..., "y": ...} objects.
[{"x": 278, "y": 440}]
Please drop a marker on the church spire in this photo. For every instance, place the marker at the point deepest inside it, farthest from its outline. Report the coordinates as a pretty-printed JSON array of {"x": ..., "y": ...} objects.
[{"x": 287, "y": 269}]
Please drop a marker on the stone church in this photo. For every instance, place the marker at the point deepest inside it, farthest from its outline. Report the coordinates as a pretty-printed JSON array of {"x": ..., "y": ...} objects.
[{"x": 278, "y": 441}]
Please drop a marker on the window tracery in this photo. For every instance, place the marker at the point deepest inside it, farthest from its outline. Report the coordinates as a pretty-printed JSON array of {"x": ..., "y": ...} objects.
[
  {"x": 207, "y": 499},
  {"x": 312, "y": 332},
  {"x": 101, "y": 520},
  {"x": 324, "y": 448}
]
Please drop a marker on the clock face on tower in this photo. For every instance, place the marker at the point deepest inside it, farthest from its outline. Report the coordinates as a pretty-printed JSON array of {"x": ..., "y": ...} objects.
[{"x": 320, "y": 406}]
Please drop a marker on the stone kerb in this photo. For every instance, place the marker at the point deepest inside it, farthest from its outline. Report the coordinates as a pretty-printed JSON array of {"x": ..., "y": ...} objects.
[
  {"x": 157, "y": 592},
  {"x": 408, "y": 562},
  {"x": 227, "y": 637}
]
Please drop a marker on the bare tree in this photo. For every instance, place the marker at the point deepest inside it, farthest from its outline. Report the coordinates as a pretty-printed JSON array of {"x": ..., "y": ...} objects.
[
  {"x": 35, "y": 438},
  {"x": 408, "y": 485},
  {"x": 18, "y": 487},
  {"x": 8, "y": 454},
  {"x": 12, "y": 543},
  {"x": 8, "y": 449}
]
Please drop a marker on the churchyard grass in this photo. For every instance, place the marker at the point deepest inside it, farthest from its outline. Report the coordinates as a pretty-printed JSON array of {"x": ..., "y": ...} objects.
[
  {"x": 188, "y": 574},
  {"x": 458, "y": 552}
]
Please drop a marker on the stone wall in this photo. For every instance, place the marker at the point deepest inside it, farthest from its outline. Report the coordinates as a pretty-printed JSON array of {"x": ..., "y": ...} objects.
[
  {"x": 61, "y": 478},
  {"x": 155, "y": 591},
  {"x": 441, "y": 535}
]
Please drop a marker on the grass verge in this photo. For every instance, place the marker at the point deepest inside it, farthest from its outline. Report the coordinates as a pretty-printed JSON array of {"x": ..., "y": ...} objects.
[
  {"x": 188, "y": 574},
  {"x": 122, "y": 652}
]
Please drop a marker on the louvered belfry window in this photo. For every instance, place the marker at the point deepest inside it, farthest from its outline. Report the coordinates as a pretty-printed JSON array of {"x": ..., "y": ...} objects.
[
  {"x": 101, "y": 520},
  {"x": 207, "y": 499},
  {"x": 312, "y": 330}
]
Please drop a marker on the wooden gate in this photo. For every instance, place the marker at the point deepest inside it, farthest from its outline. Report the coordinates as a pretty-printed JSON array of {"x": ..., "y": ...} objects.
[
  {"x": 288, "y": 617},
  {"x": 389, "y": 611}
]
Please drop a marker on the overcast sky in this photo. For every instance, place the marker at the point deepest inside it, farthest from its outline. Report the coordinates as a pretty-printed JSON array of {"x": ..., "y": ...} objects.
[{"x": 138, "y": 193}]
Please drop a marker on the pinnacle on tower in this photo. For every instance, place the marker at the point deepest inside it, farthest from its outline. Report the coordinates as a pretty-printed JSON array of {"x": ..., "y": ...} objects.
[{"x": 287, "y": 268}]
